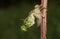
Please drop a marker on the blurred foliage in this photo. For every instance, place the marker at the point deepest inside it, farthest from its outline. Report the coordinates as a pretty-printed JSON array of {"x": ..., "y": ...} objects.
[{"x": 11, "y": 11}]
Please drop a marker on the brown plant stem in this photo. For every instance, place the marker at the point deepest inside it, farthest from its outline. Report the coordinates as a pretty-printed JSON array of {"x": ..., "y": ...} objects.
[{"x": 44, "y": 19}]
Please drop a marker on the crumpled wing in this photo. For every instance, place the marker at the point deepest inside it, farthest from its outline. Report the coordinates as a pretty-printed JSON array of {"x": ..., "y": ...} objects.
[
  {"x": 39, "y": 18},
  {"x": 38, "y": 22}
]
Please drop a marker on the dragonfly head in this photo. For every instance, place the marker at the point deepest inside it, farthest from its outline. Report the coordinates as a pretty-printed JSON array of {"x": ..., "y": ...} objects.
[{"x": 37, "y": 6}]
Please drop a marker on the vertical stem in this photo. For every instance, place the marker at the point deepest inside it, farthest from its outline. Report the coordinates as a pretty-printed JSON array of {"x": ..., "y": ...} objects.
[{"x": 43, "y": 25}]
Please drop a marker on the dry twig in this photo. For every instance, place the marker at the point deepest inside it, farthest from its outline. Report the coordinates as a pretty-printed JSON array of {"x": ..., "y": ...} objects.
[{"x": 43, "y": 25}]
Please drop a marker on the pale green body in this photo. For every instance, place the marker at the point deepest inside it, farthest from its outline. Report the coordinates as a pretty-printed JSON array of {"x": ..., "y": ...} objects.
[{"x": 30, "y": 20}]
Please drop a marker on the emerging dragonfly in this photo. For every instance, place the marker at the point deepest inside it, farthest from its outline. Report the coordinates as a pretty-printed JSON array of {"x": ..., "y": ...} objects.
[{"x": 35, "y": 14}]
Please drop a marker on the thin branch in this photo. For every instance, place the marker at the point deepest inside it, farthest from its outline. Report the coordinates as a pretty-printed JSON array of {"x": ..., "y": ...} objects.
[{"x": 43, "y": 25}]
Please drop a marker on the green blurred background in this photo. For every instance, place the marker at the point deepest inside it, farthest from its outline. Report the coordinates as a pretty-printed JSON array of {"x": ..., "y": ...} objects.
[{"x": 11, "y": 11}]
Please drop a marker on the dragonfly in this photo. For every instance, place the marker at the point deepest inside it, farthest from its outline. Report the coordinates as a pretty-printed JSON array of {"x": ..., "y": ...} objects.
[{"x": 34, "y": 14}]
